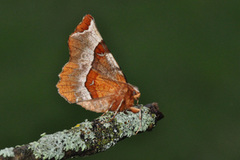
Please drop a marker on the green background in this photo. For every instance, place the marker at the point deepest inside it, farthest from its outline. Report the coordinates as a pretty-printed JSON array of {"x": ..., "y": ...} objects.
[{"x": 185, "y": 55}]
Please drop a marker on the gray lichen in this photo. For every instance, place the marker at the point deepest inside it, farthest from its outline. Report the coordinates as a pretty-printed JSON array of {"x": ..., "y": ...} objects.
[
  {"x": 54, "y": 145},
  {"x": 131, "y": 123},
  {"x": 7, "y": 152},
  {"x": 127, "y": 124}
]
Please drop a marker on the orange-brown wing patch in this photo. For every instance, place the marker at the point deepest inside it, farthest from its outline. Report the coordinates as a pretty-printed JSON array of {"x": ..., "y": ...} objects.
[
  {"x": 98, "y": 86},
  {"x": 105, "y": 93}
]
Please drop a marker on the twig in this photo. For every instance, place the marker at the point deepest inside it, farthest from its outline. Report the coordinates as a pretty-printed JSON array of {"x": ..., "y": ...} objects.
[{"x": 86, "y": 138}]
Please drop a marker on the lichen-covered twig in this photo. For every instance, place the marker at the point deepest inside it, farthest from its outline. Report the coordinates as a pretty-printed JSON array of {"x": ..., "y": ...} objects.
[{"x": 87, "y": 137}]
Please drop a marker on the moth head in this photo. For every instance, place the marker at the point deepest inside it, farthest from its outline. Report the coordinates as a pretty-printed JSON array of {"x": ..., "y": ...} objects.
[{"x": 135, "y": 92}]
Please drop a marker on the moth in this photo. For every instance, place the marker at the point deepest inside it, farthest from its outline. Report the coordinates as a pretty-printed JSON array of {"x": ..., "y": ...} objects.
[{"x": 92, "y": 78}]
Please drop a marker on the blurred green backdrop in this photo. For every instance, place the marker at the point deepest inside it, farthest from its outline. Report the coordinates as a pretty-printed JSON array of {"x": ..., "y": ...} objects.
[{"x": 185, "y": 55}]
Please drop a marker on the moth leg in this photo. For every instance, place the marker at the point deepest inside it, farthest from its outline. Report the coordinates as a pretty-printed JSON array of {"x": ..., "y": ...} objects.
[
  {"x": 108, "y": 109},
  {"x": 116, "y": 111},
  {"x": 137, "y": 110},
  {"x": 134, "y": 109}
]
